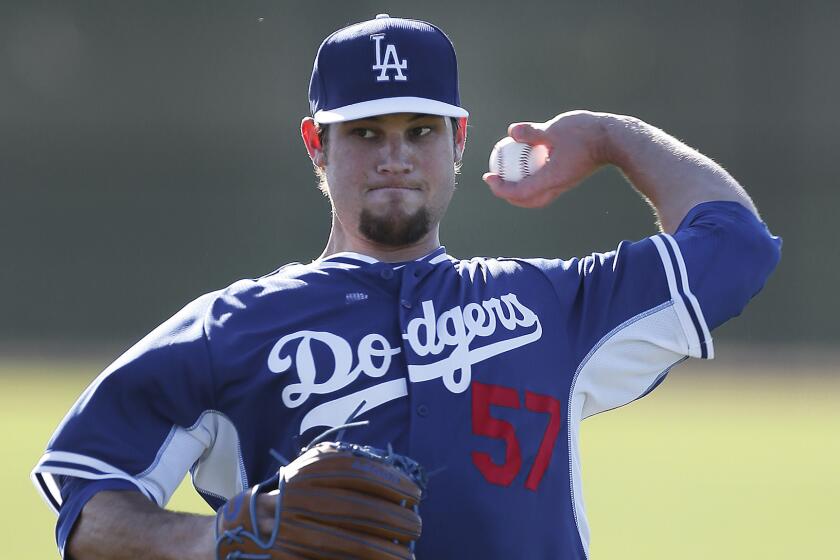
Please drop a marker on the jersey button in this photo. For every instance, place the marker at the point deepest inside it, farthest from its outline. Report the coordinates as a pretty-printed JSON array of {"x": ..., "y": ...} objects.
[
  {"x": 422, "y": 410},
  {"x": 405, "y": 303},
  {"x": 387, "y": 273}
]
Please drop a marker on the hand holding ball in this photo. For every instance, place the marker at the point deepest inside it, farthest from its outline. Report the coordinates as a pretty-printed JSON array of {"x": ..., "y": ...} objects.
[
  {"x": 541, "y": 161},
  {"x": 513, "y": 161}
]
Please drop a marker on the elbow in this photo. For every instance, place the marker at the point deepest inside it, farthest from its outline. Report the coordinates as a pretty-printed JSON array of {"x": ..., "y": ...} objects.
[
  {"x": 730, "y": 256},
  {"x": 765, "y": 252},
  {"x": 760, "y": 253}
]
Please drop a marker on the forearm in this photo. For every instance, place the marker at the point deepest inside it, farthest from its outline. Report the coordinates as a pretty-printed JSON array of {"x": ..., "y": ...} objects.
[
  {"x": 671, "y": 175},
  {"x": 126, "y": 525}
]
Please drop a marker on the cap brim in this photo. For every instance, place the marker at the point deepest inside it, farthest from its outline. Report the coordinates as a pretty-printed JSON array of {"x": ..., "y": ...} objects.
[{"x": 389, "y": 105}]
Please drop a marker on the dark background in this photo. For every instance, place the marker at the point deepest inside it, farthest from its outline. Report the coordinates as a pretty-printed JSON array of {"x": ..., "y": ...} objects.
[{"x": 149, "y": 151}]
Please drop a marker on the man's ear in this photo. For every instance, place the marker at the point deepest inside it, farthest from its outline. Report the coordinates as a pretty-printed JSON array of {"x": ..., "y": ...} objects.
[
  {"x": 460, "y": 138},
  {"x": 314, "y": 146}
]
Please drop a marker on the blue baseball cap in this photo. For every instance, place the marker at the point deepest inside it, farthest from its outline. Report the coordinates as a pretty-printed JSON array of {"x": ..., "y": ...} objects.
[{"x": 385, "y": 65}]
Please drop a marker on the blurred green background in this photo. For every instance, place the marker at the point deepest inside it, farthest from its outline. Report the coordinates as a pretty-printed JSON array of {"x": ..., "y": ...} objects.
[
  {"x": 149, "y": 152},
  {"x": 729, "y": 462}
]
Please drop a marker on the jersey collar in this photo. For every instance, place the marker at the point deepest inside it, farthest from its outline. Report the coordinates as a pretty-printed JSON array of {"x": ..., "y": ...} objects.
[{"x": 358, "y": 259}]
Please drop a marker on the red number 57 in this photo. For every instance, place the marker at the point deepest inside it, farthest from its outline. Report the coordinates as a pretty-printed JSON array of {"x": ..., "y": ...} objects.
[{"x": 483, "y": 424}]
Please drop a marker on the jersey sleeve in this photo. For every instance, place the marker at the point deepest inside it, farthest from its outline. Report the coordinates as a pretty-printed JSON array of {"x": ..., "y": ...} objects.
[
  {"x": 139, "y": 421},
  {"x": 639, "y": 310}
]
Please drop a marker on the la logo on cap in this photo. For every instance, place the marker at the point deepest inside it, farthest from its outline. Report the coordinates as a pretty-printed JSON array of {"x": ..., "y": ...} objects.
[{"x": 391, "y": 62}]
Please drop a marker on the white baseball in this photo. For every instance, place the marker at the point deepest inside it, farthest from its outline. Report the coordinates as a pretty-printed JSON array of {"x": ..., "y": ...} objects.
[{"x": 514, "y": 161}]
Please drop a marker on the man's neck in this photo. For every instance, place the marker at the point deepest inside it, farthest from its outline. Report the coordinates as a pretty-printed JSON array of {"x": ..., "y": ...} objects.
[{"x": 340, "y": 242}]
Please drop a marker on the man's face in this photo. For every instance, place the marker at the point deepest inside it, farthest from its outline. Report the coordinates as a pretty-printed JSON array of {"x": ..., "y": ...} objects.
[{"x": 390, "y": 178}]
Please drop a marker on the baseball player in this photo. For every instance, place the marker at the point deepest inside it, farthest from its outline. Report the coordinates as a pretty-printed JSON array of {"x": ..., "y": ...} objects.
[{"x": 479, "y": 369}]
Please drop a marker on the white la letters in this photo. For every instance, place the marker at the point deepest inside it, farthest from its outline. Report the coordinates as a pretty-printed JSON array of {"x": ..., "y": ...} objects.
[{"x": 391, "y": 61}]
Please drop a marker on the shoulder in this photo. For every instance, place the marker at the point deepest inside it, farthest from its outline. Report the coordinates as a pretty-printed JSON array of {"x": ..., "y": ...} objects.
[
  {"x": 277, "y": 291},
  {"x": 288, "y": 277},
  {"x": 572, "y": 269}
]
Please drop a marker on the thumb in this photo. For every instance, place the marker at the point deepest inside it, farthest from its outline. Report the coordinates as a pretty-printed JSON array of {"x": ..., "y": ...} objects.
[{"x": 527, "y": 133}]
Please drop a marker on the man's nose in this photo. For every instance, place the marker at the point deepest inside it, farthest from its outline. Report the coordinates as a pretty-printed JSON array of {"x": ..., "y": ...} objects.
[{"x": 396, "y": 157}]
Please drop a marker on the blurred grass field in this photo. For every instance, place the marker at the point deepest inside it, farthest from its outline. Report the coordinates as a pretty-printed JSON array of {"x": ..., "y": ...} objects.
[{"x": 720, "y": 462}]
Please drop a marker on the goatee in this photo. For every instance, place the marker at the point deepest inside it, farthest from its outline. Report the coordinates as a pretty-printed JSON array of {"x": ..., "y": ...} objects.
[{"x": 395, "y": 229}]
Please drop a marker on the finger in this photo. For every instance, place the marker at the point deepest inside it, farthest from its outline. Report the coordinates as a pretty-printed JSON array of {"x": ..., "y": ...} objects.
[
  {"x": 509, "y": 191},
  {"x": 528, "y": 133},
  {"x": 491, "y": 178},
  {"x": 515, "y": 194},
  {"x": 266, "y": 507},
  {"x": 498, "y": 186},
  {"x": 540, "y": 181}
]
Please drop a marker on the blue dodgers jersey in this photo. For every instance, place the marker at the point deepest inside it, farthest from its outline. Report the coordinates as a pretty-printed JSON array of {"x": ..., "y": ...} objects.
[{"x": 480, "y": 369}]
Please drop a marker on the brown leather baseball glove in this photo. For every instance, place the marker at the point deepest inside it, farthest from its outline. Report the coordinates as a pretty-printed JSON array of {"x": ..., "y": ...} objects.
[{"x": 335, "y": 501}]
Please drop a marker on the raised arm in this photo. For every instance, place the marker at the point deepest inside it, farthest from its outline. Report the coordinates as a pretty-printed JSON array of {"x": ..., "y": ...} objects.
[{"x": 670, "y": 175}]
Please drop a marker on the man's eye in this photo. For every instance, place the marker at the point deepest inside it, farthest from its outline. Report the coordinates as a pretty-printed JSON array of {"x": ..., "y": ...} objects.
[
  {"x": 422, "y": 130},
  {"x": 363, "y": 132}
]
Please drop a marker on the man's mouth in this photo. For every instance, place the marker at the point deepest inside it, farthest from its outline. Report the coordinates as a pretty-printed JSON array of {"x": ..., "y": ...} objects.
[{"x": 393, "y": 188}]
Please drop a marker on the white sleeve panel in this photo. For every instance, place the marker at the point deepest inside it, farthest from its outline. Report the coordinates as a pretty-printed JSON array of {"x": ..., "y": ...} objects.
[
  {"x": 221, "y": 471},
  {"x": 628, "y": 360},
  {"x": 621, "y": 368}
]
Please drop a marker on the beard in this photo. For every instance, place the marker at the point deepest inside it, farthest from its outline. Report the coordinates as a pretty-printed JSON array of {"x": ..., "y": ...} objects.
[{"x": 395, "y": 229}]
